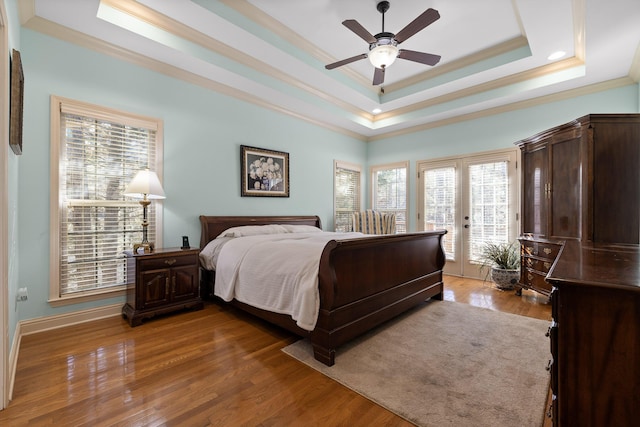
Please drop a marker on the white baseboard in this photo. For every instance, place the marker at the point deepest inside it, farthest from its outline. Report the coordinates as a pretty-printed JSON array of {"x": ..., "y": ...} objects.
[
  {"x": 42, "y": 324},
  {"x": 13, "y": 361}
]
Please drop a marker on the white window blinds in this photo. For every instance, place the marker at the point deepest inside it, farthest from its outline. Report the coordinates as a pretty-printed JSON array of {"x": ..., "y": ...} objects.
[
  {"x": 489, "y": 193},
  {"x": 99, "y": 153},
  {"x": 389, "y": 183},
  {"x": 440, "y": 205},
  {"x": 346, "y": 195}
]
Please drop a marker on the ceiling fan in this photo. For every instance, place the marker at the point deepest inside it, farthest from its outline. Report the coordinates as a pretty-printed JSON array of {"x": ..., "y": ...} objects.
[{"x": 383, "y": 47}]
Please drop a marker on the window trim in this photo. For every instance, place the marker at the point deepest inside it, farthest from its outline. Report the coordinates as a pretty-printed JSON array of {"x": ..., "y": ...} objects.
[
  {"x": 372, "y": 185},
  {"x": 59, "y": 105}
]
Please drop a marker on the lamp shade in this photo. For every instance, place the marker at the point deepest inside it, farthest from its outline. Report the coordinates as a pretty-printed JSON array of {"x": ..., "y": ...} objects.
[
  {"x": 145, "y": 183},
  {"x": 383, "y": 55}
]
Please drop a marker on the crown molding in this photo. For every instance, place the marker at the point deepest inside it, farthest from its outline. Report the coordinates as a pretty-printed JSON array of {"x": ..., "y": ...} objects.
[
  {"x": 484, "y": 87},
  {"x": 533, "y": 102},
  {"x": 31, "y": 21},
  {"x": 185, "y": 32}
]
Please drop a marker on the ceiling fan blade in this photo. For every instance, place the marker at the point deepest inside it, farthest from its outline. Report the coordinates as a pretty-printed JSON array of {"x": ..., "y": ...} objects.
[
  {"x": 355, "y": 26},
  {"x": 345, "y": 61},
  {"x": 378, "y": 76},
  {"x": 428, "y": 17},
  {"x": 421, "y": 57}
]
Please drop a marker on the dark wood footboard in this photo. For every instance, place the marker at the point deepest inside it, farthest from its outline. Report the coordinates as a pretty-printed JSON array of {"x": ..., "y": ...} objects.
[{"x": 363, "y": 282}]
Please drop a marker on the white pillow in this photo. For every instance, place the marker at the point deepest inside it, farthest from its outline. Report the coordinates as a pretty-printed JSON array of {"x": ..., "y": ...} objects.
[
  {"x": 253, "y": 230},
  {"x": 294, "y": 228}
]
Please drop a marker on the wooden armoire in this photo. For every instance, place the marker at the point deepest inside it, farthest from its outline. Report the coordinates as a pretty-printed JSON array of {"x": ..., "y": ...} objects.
[{"x": 580, "y": 237}]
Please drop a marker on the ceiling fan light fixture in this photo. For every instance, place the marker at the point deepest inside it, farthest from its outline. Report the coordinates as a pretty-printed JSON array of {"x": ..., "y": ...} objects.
[{"x": 383, "y": 55}]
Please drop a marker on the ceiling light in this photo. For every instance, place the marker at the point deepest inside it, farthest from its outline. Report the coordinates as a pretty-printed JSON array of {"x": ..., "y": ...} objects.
[
  {"x": 383, "y": 53},
  {"x": 556, "y": 55},
  {"x": 376, "y": 111}
]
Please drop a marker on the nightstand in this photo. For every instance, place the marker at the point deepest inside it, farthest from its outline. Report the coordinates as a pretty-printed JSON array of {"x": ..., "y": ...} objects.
[{"x": 160, "y": 282}]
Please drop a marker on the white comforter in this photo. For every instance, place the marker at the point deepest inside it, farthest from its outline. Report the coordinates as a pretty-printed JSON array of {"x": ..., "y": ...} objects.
[{"x": 278, "y": 272}]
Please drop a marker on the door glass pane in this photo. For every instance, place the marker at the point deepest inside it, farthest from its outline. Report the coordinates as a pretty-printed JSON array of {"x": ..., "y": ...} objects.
[
  {"x": 489, "y": 202},
  {"x": 439, "y": 205}
]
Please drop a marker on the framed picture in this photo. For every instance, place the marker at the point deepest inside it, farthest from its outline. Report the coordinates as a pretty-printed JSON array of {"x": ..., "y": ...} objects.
[
  {"x": 16, "y": 94},
  {"x": 265, "y": 173}
]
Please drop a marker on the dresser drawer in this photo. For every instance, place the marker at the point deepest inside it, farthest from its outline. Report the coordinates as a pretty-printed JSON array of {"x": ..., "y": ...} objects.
[
  {"x": 534, "y": 279},
  {"x": 168, "y": 262},
  {"x": 542, "y": 265},
  {"x": 540, "y": 249}
]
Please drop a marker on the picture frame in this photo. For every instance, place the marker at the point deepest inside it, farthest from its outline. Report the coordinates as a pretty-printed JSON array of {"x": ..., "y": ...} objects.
[
  {"x": 264, "y": 172},
  {"x": 16, "y": 100}
]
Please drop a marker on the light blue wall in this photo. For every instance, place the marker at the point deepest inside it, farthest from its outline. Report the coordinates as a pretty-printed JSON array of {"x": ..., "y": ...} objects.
[
  {"x": 494, "y": 132},
  {"x": 13, "y": 165},
  {"x": 202, "y": 134},
  {"x": 203, "y": 131}
]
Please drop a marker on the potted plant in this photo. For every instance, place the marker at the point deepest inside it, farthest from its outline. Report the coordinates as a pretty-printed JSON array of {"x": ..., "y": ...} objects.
[{"x": 502, "y": 261}]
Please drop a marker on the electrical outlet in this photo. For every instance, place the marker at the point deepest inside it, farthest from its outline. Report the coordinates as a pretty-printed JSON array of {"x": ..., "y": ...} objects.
[{"x": 22, "y": 294}]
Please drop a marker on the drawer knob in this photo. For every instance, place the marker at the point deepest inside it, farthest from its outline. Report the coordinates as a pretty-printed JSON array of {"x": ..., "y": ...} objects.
[{"x": 170, "y": 261}]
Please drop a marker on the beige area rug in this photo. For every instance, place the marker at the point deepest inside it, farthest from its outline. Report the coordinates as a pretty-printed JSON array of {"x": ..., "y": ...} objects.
[{"x": 448, "y": 364}]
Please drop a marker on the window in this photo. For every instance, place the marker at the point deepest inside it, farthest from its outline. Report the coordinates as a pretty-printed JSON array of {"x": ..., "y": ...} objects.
[
  {"x": 95, "y": 154},
  {"x": 389, "y": 191},
  {"x": 346, "y": 198}
]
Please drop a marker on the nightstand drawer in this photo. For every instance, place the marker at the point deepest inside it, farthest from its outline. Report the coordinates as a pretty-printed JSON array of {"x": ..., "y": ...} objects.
[
  {"x": 165, "y": 281},
  {"x": 170, "y": 261}
]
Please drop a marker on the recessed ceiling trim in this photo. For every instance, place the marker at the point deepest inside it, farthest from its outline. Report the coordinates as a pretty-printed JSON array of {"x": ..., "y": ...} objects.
[
  {"x": 259, "y": 17},
  {"x": 533, "y": 102},
  {"x": 80, "y": 39},
  {"x": 449, "y": 67},
  {"x": 180, "y": 30},
  {"x": 492, "y": 85},
  {"x": 579, "y": 27},
  {"x": 634, "y": 72},
  {"x": 26, "y": 10}
]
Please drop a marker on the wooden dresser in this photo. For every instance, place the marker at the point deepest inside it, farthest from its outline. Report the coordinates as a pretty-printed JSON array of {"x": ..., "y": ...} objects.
[
  {"x": 537, "y": 255},
  {"x": 595, "y": 336},
  {"x": 580, "y": 244}
]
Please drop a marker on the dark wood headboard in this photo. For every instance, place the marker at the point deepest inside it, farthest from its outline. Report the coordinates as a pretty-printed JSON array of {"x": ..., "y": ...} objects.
[{"x": 212, "y": 226}]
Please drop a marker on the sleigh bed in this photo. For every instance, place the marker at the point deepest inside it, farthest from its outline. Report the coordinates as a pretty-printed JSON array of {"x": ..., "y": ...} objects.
[{"x": 362, "y": 281}]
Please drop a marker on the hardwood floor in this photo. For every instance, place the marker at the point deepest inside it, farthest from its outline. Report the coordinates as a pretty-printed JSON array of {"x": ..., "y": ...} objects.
[{"x": 216, "y": 366}]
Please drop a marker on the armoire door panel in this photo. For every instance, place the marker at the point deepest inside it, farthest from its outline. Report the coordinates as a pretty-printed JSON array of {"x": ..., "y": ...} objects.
[
  {"x": 565, "y": 191},
  {"x": 616, "y": 190},
  {"x": 535, "y": 191}
]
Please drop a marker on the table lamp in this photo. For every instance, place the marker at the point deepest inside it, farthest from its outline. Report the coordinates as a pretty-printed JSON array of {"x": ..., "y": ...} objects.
[{"x": 145, "y": 186}]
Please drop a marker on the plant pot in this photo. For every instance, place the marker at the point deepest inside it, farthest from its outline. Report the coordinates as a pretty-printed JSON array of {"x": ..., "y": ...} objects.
[{"x": 505, "y": 279}]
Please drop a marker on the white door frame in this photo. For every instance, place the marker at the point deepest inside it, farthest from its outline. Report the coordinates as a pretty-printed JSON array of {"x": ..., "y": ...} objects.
[{"x": 460, "y": 266}]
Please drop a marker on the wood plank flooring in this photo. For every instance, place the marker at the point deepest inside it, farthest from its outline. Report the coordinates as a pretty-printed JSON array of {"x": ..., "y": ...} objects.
[{"x": 216, "y": 366}]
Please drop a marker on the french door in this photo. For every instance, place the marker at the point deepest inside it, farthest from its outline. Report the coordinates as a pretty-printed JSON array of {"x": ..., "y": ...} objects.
[{"x": 475, "y": 198}]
